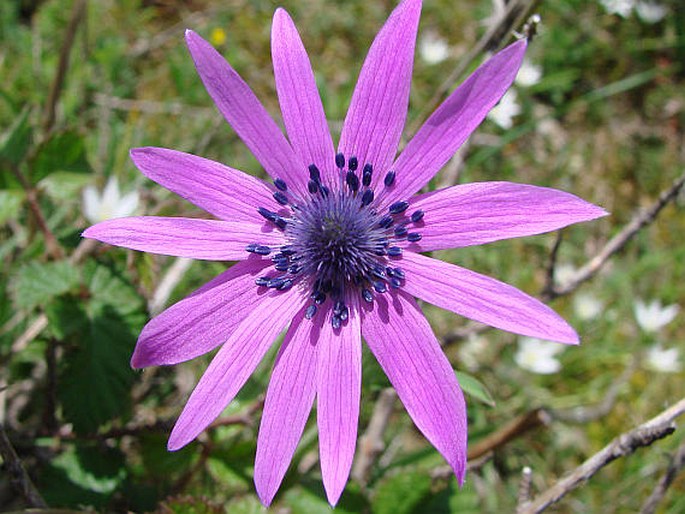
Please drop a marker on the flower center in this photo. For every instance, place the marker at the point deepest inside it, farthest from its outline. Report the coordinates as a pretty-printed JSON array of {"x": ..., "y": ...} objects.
[{"x": 337, "y": 241}]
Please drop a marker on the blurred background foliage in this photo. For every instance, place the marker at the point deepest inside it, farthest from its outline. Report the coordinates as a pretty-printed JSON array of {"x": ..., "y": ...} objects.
[{"x": 603, "y": 116}]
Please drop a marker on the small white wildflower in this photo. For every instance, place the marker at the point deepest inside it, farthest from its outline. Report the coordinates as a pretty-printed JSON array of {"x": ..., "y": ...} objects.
[
  {"x": 652, "y": 317},
  {"x": 529, "y": 74},
  {"x": 472, "y": 350},
  {"x": 110, "y": 204},
  {"x": 621, "y": 7},
  {"x": 538, "y": 355},
  {"x": 503, "y": 113},
  {"x": 663, "y": 360},
  {"x": 587, "y": 306},
  {"x": 563, "y": 274},
  {"x": 650, "y": 12},
  {"x": 433, "y": 49}
]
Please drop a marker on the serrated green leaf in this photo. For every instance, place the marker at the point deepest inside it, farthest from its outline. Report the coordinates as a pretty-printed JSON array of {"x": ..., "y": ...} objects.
[
  {"x": 38, "y": 283},
  {"x": 402, "y": 493},
  {"x": 475, "y": 388},
  {"x": 94, "y": 382},
  {"x": 10, "y": 202},
  {"x": 108, "y": 288},
  {"x": 246, "y": 505},
  {"x": 63, "y": 151}
]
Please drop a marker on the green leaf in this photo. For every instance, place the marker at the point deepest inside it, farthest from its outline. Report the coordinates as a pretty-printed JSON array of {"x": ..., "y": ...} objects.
[
  {"x": 95, "y": 378},
  {"x": 10, "y": 202},
  {"x": 14, "y": 143},
  {"x": 475, "y": 388},
  {"x": 64, "y": 151},
  {"x": 402, "y": 493},
  {"x": 38, "y": 283},
  {"x": 108, "y": 288}
]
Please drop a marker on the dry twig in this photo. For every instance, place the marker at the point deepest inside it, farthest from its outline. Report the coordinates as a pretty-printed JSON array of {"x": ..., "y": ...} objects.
[
  {"x": 676, "y": 465},
  {"x": 371, "y": 443},
  {"x": 625, "y": 444},
  {"x": 19, "y": 478}
]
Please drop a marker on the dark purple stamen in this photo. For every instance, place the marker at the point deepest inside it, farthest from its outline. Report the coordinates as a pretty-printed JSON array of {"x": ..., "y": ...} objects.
[
  {"x": 352, "y": 181},
  {"x": 367, "y": 197},
  {"x": 386, "y": 222},
  {"x": 367, "y": 295},
  {"x": 280, "y": 184},
  {"x": 313, "y": 187},
  {"x": 340, "y": 160},
  {"x": 398, "y": 207},
  {"x": 401, "y": 231},
  {"x": 309, "y": 313},
  {"x": 389, "y": 179},
  {"x": 314, "y": 173},
  {"x": 394, "y": 251},
  {"x": 380, "y": 287},
  {"x": 413, "y": 237},
  {"x": 417, "y": 216},
  {"x": 280, "y": 198},
  {"x": 261, "y": 281},
  {"x": 262, "y": 250},
  {"x": 352, "y": 163},
  {"x": 366, "y": 174}
]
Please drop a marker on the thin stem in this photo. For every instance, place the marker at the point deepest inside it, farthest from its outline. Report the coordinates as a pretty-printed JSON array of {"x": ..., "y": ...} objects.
[{"x": 19, "y": 478}]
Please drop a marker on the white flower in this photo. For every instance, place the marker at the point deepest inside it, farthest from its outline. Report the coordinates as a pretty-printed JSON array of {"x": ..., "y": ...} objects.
[
  {"x": 471, "y": 352},
  {"x": 110, "y": 204},
  {"x": 652, "y": 317},
  {"x": 433, "y": 49},
  {"x": 621, "y": 7},
  {"x": 563, "y": 274},
  {"x": 650, "y": 12},
  {"x": 587, "y": 306},
  {"x": 529, "y": 74},
  {"x": 538, "y": 355},
  {"x": 503, "y": 113},
  {"x": 663, "y": 360}
]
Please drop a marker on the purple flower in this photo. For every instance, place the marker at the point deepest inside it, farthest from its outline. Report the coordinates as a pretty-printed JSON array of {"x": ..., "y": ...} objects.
[{"x": 332, "y": 251}]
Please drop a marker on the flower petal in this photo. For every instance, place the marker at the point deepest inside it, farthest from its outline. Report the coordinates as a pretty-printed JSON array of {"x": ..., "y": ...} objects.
[
  {"x": 185, "y": 237},
  {"x": 245, "y": 113},
  {"x": 451, "y": 123},
  {"x": 402, "y": 341},
  {"x": 225, "y": 192},
  {"x": 234, "y": 363},
  {"x": 202, "y": 321},
  {"x": 477, "y": 213},
  {"x": 378, "y": 109},
  {"x": 483, "y": 299},
  {"x": 288, "y": 402},
  {"x": 301, "y": 106},
  {"x": 339, "y": 381}
]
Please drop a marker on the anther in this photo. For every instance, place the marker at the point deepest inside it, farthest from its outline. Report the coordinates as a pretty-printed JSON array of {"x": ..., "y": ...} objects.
[
  {"x": 280, "y": 184},
  {"x": 285, "y": 285},
  {"x": 338, "y": 307},
  {"x": 319, "y": 298},
  {"x": 380, "y": 287},
  {"x": 314, "y": 173},
  {"x": 261, "y": 281},
  {"x": 344, "y": 314},
  {"x": 413, "y": 237},
  {"x": 417, "y": 216},
  {"x": 394, "y": 251},
  {"x": 274, "y": 282},
  {"x": 313, "y": 187},
  {"x": 352, "y": 163},
  {"x": 352, "y": 181},
  {"x": 367, "y": 197},
  {"x": 280, "y": 198},
  {"x": 401, "y": 231},
  {"x": 395, "y": 282},
  {"x": 398, "y": 207},
  {"x": 336, "y": 321},
  {"x": 309, "y": 313},
  {"x": 366, "y": 174},
  {"x": 389, "y": 179},
  {"x": 367, "y": 295},
  {"x": 262, "y": 250},
  {"x": 340, "y": 160},
  {"x": 385, "y": 222},
  {"x": 399, "y": 273},
  {"x": 251, "y": 248}
]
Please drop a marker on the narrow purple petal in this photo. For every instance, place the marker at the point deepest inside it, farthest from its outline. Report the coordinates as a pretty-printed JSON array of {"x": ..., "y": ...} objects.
[
  {"x": 478, "y": 213},
  {"x": 288, "y": 402},
  {"x": 483, "y": 299},
  {"x": 185, "y": 237},
  {"x": 451, "y": 123},
  {"x": 339, "y": 381},
  {"x": 402, "y": 341},
  {"x": 378, "y": 109},
  {"x": 202, "y": 321},
  {"x": 298, "y": 96},
  {"x": 245, "y": 113},
  {"x": 234, "y": 363},
  {"x": 225, "y": 192}
]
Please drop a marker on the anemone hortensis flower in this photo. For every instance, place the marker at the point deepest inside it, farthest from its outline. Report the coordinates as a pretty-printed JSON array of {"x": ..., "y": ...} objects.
[{"x": 331, "y": 250}]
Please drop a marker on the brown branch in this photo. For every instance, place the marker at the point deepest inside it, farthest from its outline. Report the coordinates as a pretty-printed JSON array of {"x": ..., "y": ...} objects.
[
  {"x": 524, "y": 488},
  {"x": 512, "y": 430},
  {"x": 77, "y": 13},
  {"x": 676, "y": 465},
  {"x": 644, "y": 435},
  {"x": 371, "y": 443},
  {"x": 19, "y": 478}
]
